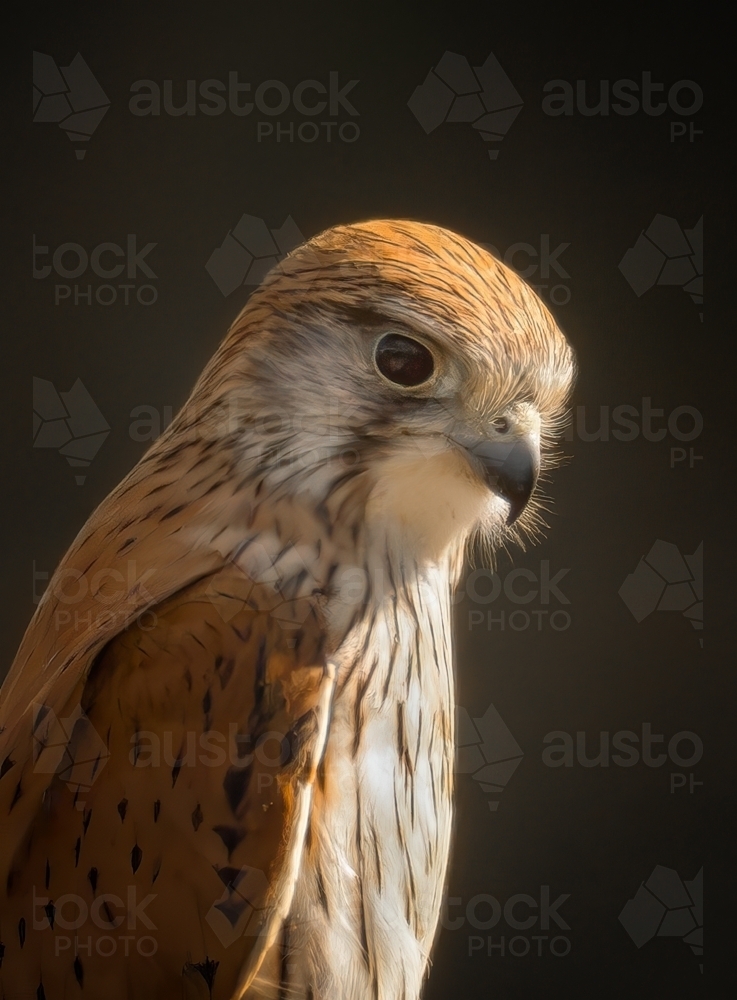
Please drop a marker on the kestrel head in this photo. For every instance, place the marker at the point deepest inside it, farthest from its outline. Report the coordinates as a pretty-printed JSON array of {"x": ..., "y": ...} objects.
[{"x": 400, "y": 367}]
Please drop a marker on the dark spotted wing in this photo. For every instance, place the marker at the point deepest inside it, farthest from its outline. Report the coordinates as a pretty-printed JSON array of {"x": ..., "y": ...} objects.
[{"x": 162, "y": 858}]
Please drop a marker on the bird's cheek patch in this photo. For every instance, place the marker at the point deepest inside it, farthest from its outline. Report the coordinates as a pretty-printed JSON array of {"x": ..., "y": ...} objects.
[{"x": 428, "y": 501}]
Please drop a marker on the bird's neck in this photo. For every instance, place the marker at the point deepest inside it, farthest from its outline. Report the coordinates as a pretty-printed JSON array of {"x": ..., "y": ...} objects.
[{"x": 354, "y": 564}]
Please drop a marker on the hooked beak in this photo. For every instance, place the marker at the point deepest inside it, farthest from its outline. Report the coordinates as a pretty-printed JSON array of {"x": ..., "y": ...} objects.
[{"x": 510, "y": 469}]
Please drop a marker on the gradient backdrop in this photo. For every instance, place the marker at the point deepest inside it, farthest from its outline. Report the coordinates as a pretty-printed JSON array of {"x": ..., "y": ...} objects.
[{"x": 599, "y": 644}]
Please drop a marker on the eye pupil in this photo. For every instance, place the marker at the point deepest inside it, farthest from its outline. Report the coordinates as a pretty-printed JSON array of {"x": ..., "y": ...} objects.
[
  {"x": 501, "y": 425},
  {"x": 403, "y": 360}
]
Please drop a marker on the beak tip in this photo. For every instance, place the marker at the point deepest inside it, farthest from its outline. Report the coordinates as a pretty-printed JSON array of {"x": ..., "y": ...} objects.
[
  {"x": 517, "y": 505},
  {"x": 511, "y": 473},
  {"x": 514, "y": 513}
]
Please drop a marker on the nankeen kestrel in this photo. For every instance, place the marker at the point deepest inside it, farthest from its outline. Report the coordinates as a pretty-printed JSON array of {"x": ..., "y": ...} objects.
[{"x": 227, "y": 738}]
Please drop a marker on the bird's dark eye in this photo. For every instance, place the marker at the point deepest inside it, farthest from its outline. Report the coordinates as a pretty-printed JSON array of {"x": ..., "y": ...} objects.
[
  {"x": 403, "y": 360},
  {"x": 500, "y": 425}
]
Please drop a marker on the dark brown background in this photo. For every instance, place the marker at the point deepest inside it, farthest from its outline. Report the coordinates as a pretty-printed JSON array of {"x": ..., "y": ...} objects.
[{"x": 594, "y": 182}]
